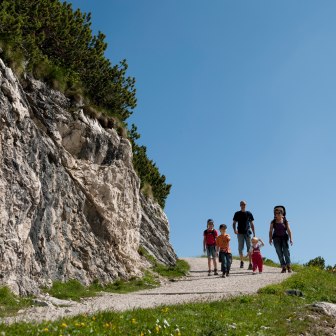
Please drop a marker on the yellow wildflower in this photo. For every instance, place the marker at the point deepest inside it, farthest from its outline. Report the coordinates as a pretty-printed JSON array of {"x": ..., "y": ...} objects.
[
  {"x": 46, "y": 329},
  {"x": 134, "y": 321},
  {"x": 63, "y": 325}
]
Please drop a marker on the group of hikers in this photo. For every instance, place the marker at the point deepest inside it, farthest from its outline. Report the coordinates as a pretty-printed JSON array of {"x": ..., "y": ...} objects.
[{"x": 280, "y": 236}]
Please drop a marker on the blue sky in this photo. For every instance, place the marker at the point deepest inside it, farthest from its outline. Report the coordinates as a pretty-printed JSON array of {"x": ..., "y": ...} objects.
[{"x": 236, "y": 100}]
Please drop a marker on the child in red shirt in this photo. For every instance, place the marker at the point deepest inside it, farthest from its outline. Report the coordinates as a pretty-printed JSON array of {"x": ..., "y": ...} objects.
[{"x": 209, "y": 245}]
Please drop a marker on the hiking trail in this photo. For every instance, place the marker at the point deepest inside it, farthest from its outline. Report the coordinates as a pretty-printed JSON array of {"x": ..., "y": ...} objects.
[{"x": 197, "y": 286}]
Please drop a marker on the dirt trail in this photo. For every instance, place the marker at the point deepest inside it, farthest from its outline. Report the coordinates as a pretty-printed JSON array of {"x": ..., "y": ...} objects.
[{"x": 197, "y": 286}]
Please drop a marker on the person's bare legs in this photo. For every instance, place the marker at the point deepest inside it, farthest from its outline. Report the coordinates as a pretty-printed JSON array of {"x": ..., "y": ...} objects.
[{"x": 214, "y": 263}]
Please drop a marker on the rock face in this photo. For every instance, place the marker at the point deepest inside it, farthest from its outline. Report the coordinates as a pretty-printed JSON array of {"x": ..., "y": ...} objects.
[
  {"x": 70, "y": 204},
  {"x": 154, "y": 232}
]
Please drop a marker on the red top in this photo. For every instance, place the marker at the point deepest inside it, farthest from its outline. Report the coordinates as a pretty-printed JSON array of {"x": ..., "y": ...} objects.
[{"x": 210, "y": 236}]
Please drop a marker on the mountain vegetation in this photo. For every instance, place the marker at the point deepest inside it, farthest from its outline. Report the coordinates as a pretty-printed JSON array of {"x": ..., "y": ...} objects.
[{"x": 51, "y": 42}]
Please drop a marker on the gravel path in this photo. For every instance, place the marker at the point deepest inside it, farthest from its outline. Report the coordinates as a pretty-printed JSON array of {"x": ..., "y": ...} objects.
[{"x": 197, "y": 286}]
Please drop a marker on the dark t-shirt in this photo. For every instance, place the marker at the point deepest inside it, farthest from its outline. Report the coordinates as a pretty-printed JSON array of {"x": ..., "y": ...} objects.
[{"x": 243, "y": 218}]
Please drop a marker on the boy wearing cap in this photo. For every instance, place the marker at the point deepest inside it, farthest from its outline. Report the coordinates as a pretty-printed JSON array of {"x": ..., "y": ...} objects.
[
  {"x": 209, "y": 245},
  {"x": 245, "y": 230}
]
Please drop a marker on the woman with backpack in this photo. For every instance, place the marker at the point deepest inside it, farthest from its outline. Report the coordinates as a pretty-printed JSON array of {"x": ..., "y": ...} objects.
[{"x": 279, "y": 234}]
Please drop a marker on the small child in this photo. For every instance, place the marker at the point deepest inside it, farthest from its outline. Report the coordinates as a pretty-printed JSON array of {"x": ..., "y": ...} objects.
[
  {"x": 257, "y": 261},
  {"x": 223, "y": 247},
  {"x": 209, "y": 245}
]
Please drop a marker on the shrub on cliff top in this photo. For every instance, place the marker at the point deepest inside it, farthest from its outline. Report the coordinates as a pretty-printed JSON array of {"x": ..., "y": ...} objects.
[
  {"x": 58, "y": 46},
  {"x": 64, "y": 38}
]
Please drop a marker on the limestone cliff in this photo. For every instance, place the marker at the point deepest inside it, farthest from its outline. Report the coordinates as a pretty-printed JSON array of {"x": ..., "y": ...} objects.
[{"x": 70, "y": 204}]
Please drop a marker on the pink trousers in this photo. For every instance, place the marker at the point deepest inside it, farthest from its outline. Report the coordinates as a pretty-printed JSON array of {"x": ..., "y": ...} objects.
[{"x": 257, "y": 261}]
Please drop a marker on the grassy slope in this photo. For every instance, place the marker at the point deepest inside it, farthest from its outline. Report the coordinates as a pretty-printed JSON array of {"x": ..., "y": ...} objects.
[
  {"x": 270, "y": 312},
  {"x": 74, "y": 290}
]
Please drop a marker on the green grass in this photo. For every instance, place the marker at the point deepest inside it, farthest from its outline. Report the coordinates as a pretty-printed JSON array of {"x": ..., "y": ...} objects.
[
  {"x": 74, "y": 290},
  {"x": 10, "y": 303},
  {"x": 71, "y": 289},
  {"x": 180, "y": 269},
  {"x": 135, "y": 284},
  {"x": 270, "y": 312}
]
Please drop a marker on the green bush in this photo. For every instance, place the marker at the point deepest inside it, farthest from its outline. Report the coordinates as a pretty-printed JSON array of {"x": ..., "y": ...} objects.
[
  {"x": 58, "y": 47},
  {"x": 316, "y": 262},
  {"x": 148, "y": 171},
  {"x": 61, "y": 37}
]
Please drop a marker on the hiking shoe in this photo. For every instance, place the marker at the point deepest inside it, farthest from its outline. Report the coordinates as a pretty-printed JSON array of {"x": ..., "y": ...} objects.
[
  {"x": 215, "y": 272},
  {"x": 223, "y": 275},
  {"x": 209, "y": 273},
  {"x": 227, "y": 274},
  {"x": 254, "y": 273},
  {"x": 242, "y": 264},
  {"x": 283, "y": 270},
  {"x": 289, "y": 269},
  {"x": 250, "y": 267}
]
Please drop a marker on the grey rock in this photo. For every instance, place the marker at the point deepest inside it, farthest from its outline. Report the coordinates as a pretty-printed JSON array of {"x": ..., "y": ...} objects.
[
  {"x": 42, "y": 303},
  {"x": 155, "y": 232},
  {"x": 70, "y": 200},
  {"x": 52, "y": 301},
  {"x": 295, "y": 292},
  {"x": 327, "y": 308}
]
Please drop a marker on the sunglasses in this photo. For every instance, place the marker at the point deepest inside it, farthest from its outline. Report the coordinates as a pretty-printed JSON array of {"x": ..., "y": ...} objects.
[{"x": 278, "y": 212}]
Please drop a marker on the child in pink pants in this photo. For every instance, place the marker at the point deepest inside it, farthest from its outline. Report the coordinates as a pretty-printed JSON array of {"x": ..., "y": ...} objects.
[{"x": 257, "y": 261}]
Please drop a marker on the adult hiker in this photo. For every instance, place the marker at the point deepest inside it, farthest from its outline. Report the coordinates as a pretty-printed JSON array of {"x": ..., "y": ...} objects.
[
  {"x": 244, "y": 231},
  {"x": 209, "y": 245},
  {"x": 279, "y": 234}
]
